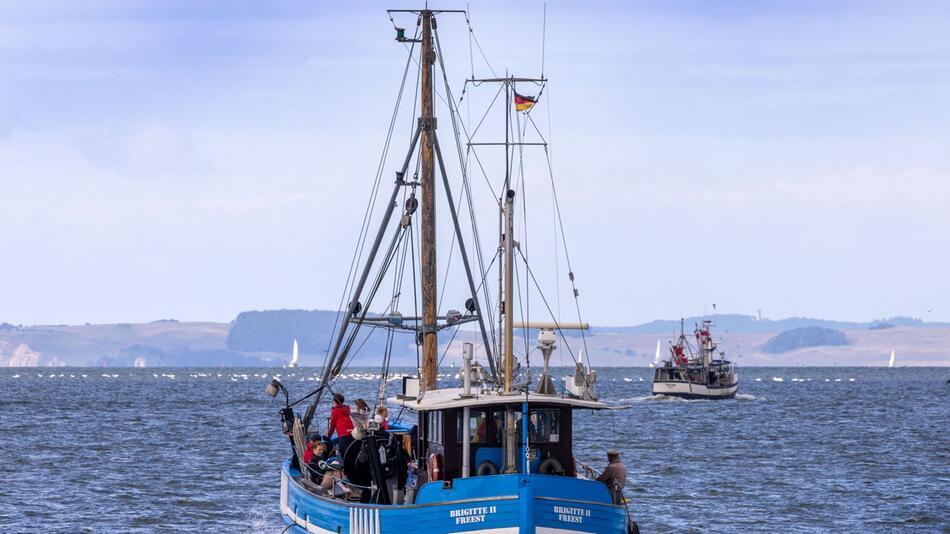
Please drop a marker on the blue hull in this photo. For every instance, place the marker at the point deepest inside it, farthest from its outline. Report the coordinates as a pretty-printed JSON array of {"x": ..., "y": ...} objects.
[{"x": 497, "y": 504}]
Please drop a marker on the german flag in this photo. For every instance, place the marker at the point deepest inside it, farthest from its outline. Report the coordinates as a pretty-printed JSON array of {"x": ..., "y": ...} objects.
[{"x": 524, "y": 103}]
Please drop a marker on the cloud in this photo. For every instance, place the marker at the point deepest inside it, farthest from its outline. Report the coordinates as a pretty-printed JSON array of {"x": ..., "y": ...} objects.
[
  {"x": 150, "y": 150},
  {"x": 246, "y": 203}
]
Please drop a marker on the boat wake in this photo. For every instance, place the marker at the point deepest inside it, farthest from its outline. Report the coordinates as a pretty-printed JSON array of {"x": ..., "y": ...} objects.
[{"x": 670, "y": 398}]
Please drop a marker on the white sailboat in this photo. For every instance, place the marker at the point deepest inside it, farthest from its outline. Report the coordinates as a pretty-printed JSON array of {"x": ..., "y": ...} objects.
[
  {"x": 890, "y": 362},
  {"x": 293, "y": 358},
  {"x": 657, "y": 360}
]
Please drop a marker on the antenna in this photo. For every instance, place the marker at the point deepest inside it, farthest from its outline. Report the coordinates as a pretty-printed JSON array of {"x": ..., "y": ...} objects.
[{"x": 544, "y": 33}]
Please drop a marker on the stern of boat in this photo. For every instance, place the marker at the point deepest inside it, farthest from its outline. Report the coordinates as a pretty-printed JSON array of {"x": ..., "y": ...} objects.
[{"x": 497, "y": 504}]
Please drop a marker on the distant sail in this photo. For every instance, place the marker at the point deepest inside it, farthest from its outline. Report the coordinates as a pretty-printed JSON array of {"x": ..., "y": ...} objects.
[
  {"x": 293, "y": 359},
  {"x": 891, "y": 362},
  {"x": 656, "y": 357}
]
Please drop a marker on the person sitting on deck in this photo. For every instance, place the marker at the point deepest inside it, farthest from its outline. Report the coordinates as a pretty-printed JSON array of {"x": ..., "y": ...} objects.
[
  {"x": 615, "y": 476},
  {"x": 316, "y": 454},
  {"x": 340, "y": 423}
]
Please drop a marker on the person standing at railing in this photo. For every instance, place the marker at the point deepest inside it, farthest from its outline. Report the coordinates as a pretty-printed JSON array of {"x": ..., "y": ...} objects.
[
  {"x": 614, "y": 476},
  {"x": 341, "y": 423}
]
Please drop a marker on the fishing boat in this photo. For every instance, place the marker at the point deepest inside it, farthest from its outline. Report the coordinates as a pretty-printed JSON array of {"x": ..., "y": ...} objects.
[
  {"x": 696, "y": 373},
  {"x": 493, "y": 452}
]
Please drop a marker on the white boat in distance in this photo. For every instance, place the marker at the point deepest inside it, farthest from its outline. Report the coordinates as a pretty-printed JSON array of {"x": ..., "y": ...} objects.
[
  {"x": 657, "y": 360},
  {"x": 890, "y": 362},
  {"x": 296, "y": 353}
]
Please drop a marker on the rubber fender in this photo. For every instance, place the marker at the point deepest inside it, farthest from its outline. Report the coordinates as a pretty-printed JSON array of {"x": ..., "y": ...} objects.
[
  {"x": 486, "y": 468},
  {"x": 550, "y": 466}
]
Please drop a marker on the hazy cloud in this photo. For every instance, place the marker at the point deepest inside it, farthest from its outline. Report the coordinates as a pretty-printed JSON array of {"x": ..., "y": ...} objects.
[{"x": 153, "y": 149}]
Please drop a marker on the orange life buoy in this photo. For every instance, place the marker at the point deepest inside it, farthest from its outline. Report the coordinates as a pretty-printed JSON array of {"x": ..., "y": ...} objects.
[{"x": 434, "y": 467}]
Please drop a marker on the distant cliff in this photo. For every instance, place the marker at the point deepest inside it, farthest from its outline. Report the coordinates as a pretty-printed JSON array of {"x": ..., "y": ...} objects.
[{"x": 799, "y": 338}]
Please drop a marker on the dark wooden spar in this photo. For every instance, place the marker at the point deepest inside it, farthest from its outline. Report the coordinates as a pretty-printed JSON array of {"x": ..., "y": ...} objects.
[{"x": 430, "y": 336}]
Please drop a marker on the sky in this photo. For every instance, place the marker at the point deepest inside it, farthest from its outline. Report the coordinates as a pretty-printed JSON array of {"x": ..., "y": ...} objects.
[{"x": 192, "y": 160}]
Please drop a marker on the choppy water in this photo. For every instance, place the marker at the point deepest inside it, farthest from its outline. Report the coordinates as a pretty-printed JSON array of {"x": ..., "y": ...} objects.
[{"x": 198, "y": 450}]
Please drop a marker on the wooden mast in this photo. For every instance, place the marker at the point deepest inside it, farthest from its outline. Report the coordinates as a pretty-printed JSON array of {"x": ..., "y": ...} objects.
[{"x": 430, "y": 340}]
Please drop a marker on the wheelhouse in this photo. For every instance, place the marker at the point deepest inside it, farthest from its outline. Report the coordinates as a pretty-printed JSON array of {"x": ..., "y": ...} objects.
[{"x": 460, "y": 437}]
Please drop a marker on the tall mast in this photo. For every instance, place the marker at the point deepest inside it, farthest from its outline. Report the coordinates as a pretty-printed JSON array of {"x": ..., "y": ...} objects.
[
  {"x": 430, "y": 338},
  {"x": 508, "y": 218},
  {"x": 509, "y": 246},
  {"x": 511, "y": 437}
]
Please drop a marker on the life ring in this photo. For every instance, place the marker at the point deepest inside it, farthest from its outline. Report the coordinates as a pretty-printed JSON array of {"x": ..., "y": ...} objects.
[
  {"x": 550, "y": 466},
  {"x": 486, "y": 468},
  {"x": 434, "y": 467}
]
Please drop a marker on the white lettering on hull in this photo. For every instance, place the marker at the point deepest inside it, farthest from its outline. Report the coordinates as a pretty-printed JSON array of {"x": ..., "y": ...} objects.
[
  {"x": 476, "y": 514},
  {"x": 571, "y": 514}
]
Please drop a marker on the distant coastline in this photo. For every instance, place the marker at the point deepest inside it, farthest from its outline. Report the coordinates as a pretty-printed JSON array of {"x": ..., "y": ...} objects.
[{"x": 265, "y": 338}]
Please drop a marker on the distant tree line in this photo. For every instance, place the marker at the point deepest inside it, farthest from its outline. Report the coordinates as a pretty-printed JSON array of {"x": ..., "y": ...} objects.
[{"x": 799, "y": 338}]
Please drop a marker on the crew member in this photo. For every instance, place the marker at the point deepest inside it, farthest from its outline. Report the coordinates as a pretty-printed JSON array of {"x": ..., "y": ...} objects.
[{"x": 615, "y": 476}]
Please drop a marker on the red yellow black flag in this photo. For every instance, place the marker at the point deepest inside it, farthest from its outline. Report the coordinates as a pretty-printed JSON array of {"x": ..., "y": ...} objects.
[{"x": 524, "y": 103}]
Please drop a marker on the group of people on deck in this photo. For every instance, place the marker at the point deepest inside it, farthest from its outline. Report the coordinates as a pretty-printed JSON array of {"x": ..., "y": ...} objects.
[{"x": 323, "y": 460}]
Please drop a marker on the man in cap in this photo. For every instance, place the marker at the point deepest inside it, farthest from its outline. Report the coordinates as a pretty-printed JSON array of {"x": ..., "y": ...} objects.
[{"x": 614, "y": 476}]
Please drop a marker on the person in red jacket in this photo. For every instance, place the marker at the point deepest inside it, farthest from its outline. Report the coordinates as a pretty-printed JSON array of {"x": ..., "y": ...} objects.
[{"x": 341, "y": 423}]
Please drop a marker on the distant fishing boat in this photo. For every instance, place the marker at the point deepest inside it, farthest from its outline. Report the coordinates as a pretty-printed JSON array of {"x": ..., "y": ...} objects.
[
  {"x": 495, "y": 455},
  {"x": 890, "y": 363},
  {"x": 696, "y": 374}
]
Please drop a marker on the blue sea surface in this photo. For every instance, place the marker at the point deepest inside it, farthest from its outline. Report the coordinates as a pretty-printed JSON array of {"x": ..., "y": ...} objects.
[{"x": 199, "y": 450}]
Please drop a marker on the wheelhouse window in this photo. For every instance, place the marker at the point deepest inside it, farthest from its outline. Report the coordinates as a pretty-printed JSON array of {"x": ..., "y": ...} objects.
[
  {"x": 482, "y": 427},
  {"x": 545, "y": 426},
  {"x": 487, "y": 426},
  {"x": 434, "y": 427}
]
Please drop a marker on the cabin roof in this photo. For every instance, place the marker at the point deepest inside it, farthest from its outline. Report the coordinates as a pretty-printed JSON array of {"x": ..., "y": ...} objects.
[{"x": 442, "y": 399}]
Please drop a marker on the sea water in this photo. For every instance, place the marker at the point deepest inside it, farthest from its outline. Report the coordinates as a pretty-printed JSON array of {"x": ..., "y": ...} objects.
[{"x": 199, "y": 450}]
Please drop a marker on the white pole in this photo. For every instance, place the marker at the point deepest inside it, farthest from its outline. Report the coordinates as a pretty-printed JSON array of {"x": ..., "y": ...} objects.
[{"x": 466, "y": 411}]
